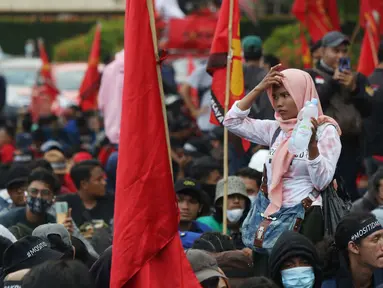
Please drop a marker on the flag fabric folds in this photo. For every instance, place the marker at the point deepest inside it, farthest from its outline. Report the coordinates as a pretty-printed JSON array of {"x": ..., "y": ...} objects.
[
  {"x": 147, "y": 249},
  {"x": 46, "y": 78},
  {"x": 318, "y": 16},
  {"x": 91, "y": 83},
  {"x": 44, "y": 92},
  {"x": 370, "y": 21},
  {"x": 218, "y": 60},
  {"x": 217, "y": 65}
]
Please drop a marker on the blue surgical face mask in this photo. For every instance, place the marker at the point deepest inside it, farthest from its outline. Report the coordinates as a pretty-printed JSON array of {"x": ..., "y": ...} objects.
[{"x": 298, "y": 277}]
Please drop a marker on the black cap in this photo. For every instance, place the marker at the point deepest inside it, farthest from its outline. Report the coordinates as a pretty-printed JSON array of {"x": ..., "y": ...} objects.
[
  {"x": 191, "y": 187},
  {"x": 188, "y": 184},
  {"x": 17, "y": 174},
  {"x": 334, "y": 39},
  {"x": 27, "y": 253}
]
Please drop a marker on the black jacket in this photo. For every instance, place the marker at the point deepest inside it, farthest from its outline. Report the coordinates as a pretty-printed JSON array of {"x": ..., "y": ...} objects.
[
  {"x": 374, "y": 123},
  {"x": 346, "y": 107}
]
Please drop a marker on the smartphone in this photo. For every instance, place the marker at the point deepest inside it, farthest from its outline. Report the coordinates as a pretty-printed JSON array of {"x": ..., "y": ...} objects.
[
  {"x": 61, "y": 211},
  {"x": 344, "y": 64}
]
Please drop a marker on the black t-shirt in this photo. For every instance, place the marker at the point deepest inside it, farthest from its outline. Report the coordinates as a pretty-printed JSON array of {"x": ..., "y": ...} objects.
[
  {"x": 16, "y": 221},
  {"x": 374, "y": 123},
  {"x": 104, "y": 209},
  {"x": 18, "y": 215}
]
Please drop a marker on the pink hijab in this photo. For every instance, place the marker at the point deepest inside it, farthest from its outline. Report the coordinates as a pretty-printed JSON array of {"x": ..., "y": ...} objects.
[{"x": 301, "y": 87}]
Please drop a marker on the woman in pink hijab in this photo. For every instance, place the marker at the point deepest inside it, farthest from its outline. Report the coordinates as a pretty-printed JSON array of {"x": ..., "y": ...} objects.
[{"x": 291, "y": 179}]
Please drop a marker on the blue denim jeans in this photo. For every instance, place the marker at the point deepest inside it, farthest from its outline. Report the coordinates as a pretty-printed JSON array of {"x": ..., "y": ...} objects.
[{"x": 282, "y": 220}]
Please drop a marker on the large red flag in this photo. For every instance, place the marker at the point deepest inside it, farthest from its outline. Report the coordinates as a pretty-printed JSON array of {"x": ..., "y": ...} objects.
[
  {"x": 217, "y": 64},
  {"x": 91, "y": 82},
  {"x": 147, "y": 249},
  {"x": 318, "y": 16},
  {"x": 368, "y": 59}
]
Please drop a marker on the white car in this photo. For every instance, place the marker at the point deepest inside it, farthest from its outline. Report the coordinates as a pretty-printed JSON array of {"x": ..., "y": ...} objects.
[
  {"x": 68, "y": 78},
  {"x": 20, "y": 75}
]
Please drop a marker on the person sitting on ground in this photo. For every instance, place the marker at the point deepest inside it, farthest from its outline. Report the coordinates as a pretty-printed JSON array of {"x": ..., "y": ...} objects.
[
  {"x": 373, "y": 197},
  {"x": 60, "y": 167},
  {"x": 192, "y": 202},
  {"x": 57, "y": 238},
  {"x": 17, "y": 182},
  {"x": 26, "y": 253},
  {"x": 91, "y": 207},
  {"x": 59, "y": 274},
  {"x": 252, "y": 180},
  {"x": 41, "y": 191},
  {"x": 205, "y": 268},
  {"x": 294, "y": 262},
  {"x": 359, "y": 246},
  {"x": 238, "y": 205},
  {"x": 206, "y": 171}
]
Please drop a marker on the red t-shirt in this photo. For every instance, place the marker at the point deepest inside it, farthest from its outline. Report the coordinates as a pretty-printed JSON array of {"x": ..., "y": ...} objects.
[{"x": 6, "y": 153}]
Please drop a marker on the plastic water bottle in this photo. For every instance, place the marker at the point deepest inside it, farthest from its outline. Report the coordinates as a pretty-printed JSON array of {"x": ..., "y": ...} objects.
[{"x": 301, "y": 135}]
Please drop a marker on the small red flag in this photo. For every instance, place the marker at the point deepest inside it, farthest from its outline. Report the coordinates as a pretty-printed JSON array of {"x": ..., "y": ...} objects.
[
  {"x": 44, "y": 92},
  {"x": 318, "y": 16},
  {"x": 217, "y": 65},
  {"x": 147, "y": 249},
  {"x": 368, "y": 58},
  {"x": 91, "y": 83}
]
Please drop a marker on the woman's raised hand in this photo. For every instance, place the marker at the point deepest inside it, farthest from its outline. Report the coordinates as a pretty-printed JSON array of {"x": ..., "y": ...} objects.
[{"x": 273, "y": 77}]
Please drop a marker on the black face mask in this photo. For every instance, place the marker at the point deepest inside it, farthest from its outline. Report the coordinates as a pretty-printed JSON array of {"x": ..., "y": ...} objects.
[{"x": 38, "y": 205}]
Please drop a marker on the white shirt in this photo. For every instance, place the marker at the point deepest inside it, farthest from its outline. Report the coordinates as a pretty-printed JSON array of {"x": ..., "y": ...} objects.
[{"x": 304, "y": 175}]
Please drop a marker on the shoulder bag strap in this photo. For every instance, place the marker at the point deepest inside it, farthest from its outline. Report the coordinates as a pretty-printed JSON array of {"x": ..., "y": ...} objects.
[{"x": 264, "y": 173}]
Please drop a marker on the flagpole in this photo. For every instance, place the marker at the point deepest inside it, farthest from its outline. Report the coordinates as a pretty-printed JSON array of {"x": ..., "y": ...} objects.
[
  {"x": 150, "y": 6},
  {"x": 226, "y": 134}
]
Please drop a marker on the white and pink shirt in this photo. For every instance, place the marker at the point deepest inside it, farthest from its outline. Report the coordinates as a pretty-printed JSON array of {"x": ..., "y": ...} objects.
[{"x": 304, "y": 175}]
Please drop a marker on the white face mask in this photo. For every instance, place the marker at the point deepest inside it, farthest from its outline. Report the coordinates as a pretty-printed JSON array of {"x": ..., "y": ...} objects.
[
  {"x": 234, "y": 215},
  {"x": 298, "y": 277}
]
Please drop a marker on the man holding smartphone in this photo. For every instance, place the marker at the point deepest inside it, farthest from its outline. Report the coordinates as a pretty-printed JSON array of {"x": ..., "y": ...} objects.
[{"x": 344, "y": 95}]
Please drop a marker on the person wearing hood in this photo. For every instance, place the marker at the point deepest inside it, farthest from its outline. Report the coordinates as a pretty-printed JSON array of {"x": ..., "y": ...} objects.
[
  {"x": 359, "y": 251},
  {"x": 294, "y": 262},
  {"x": 373, "y": 197},
  {"x": 110, "y": 97},
  {"x": 291, "y": 198},
  {"x": 238, "y": 205}
]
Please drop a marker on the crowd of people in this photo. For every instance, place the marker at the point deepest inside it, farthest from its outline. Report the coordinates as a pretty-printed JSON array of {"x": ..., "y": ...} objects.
[{"x": 58, "y": 180}]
